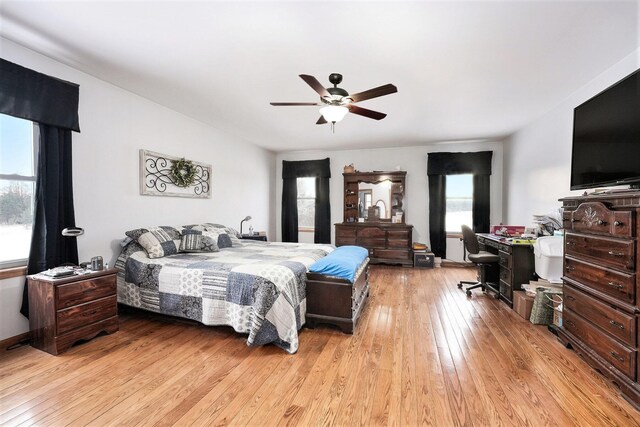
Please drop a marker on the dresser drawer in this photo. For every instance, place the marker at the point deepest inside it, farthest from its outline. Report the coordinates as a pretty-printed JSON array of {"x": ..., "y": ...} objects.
[
  {"x": 87, "y": 290},
  {"x": 398, "y": 244},
  {"x": 344, "y": 241},
  {"x": 618, "y": 285},
  {"x": 596, "y": 218},
  {"x": 398, "y": 234},
  {"x": 84, "y": 314},
  {"x": 617, "y": 354},
  {"x": 615, "y": 253},
  {"x": 371, "y": 232},
  {"x": 616, "y": 323},
  {"x": 345, "y": 232},
  {"x": 371, "y": 242}
]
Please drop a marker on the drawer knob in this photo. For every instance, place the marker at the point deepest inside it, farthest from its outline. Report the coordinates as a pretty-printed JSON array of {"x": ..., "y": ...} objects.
[
  {"x": 618, "y": 254},
  {"x": 617, "y": 356},
  {"x": 575, "y": 220},
  {"x": 570, "y": 268},
  {"x": 617, "y": 223},
  {"x": 615, "y": 285},
  {"x": 601, "y": 222},
  {"x": 571, "y": 243},
  {"x": 616, "y": 324}
]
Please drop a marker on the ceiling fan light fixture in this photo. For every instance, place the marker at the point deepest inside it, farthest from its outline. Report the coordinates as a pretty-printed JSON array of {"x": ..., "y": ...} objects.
[{"x": 334, "y": 113}]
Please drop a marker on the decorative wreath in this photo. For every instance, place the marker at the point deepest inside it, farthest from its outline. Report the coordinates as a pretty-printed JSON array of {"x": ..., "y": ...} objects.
[{"x": 183, "y": 172}]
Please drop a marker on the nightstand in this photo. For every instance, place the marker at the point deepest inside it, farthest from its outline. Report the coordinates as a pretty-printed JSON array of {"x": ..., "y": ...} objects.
[
  {"x": 63, "y": 311},
  {"x": 262, "y": 238}
]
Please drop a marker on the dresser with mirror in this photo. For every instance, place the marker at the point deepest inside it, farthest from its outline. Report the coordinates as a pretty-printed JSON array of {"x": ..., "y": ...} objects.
[{"x": 374, "y": 216}]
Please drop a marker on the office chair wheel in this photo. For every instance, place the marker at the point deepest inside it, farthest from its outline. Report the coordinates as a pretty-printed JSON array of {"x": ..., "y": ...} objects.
[
  {"x": 459, "y": 285},
  {"x": 468, "y": 293}
]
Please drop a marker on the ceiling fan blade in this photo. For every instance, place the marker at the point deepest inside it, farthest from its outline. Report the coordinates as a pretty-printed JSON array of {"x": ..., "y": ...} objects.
[
  {"x": 315, "y": 84},
  {"x": 366, "y": 113},
  {"x": 292, "y": 104},
  {"x": 374, "y": 93},
  {"x": 321, "y": 121}
]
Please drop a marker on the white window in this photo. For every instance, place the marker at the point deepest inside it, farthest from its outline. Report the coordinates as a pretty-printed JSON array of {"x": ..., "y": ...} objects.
[
  {"x": 306, "y": 204},
  {"x": 459, "y": 203},
  {"x": 18, "y": 154}
]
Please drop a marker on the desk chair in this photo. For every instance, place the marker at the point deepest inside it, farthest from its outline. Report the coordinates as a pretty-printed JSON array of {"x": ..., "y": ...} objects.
[{"x": 481, "y": 259}]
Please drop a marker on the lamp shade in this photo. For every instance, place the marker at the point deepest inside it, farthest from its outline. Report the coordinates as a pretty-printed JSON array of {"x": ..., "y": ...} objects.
[{"x": 333, "y": 113}]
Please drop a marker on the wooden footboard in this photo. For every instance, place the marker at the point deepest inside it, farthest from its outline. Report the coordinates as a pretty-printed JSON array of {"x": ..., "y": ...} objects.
[{"x": 336, "y": 301}]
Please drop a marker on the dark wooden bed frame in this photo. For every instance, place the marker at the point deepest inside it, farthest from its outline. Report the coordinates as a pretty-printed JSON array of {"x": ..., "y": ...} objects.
[{"x": 336, "y": 301}]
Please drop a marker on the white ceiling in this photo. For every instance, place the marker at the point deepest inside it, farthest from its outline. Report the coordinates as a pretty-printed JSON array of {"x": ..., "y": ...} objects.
[{"x": 464, "y": 70}]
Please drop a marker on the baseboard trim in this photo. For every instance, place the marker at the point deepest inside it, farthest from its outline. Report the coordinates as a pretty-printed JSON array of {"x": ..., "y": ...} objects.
[{"x": 8, "y": 343}]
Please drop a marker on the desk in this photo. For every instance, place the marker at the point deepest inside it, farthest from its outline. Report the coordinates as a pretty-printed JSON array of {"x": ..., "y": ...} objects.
[{"x": 516, "y": 263}]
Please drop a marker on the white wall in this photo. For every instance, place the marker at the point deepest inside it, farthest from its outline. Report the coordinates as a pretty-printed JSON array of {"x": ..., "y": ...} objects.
[
  {"x": 114, "y": 125},
  {"x": 538, "y": 157},
  {"x": 411, "y": 159}
]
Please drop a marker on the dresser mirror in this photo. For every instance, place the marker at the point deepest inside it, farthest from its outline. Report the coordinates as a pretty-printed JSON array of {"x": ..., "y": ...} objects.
[{"x": 374, "y": 197}]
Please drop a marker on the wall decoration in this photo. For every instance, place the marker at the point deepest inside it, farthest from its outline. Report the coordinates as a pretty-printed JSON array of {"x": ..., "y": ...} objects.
[{"x": 164, "y": 175}]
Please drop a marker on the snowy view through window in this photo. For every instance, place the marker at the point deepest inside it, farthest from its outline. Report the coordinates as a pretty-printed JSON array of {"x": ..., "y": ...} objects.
[
  {"x": 459, "y": 202},
  {"x": 306, "y": 202},
  {"x": 17, "y": 185}
]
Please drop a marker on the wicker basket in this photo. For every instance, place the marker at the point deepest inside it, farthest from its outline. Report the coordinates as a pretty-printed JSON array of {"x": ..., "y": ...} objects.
[{"x": 542, "y": 312}]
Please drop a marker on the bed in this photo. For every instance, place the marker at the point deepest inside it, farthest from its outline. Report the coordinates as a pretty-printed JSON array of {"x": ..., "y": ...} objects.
[{"x": 257, "y": 288}]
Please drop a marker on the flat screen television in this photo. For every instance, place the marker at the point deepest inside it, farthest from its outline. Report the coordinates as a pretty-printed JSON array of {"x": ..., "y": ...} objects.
[{"x": 606, "y": 137}]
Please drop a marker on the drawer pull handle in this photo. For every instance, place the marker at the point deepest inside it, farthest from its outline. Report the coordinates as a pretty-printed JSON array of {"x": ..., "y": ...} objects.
[
  {"x": 619, "y": 254},
  {"x": 575, "y": 220},
  {"x": 615, "y": 285},
  {"x": 617, "y": 223},
  {"x": 569, "y": 297},
  {"x": 570, "y": 268},
  {"x": 571, "y": 243},
  {"x": 617, "y": 356},
  {"x": 616, "y": 324}
]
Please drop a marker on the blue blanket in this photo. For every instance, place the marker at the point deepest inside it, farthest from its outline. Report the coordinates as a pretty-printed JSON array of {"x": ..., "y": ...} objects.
[{"x": 342, "y": 262}]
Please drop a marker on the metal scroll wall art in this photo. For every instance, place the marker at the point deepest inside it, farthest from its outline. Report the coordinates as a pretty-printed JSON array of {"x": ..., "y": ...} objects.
[{"x": 157, "y": 173}]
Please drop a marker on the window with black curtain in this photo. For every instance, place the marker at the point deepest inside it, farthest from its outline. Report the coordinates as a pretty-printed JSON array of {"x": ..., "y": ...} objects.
[
  {"x": 291, "y": 171},
  {"x": 52, "y": 104},
  {"x": 439, "y": 165}
]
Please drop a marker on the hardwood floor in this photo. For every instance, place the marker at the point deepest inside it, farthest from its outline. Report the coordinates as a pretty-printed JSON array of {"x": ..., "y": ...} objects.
[{"x": 422, "y": 354}]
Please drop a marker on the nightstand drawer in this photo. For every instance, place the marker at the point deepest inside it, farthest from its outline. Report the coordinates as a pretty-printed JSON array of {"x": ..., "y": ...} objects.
[
  {"x": 85, "y": 314},
  {"x": 88, "y": 290}
]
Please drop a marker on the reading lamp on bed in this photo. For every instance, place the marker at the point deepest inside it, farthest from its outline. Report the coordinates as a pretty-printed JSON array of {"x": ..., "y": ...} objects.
[{"x": 248, "y": 218}]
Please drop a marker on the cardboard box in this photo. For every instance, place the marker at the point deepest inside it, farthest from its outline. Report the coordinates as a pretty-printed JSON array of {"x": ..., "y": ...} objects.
[{"x": 522, "y": 304}]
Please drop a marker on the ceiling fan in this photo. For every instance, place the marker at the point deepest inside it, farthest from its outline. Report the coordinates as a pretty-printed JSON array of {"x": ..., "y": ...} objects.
[{"x": 336, "y": 102}]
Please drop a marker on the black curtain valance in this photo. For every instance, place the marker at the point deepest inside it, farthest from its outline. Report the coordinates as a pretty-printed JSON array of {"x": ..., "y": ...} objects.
[
  {"x": 34, "y": 96},
  {"x": 306, "y": 168},
  {"x": 478, "y": 163}
]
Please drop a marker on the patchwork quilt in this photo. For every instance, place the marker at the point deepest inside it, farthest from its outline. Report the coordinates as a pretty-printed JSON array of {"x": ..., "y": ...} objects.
[{"x": 255, "y": 287}]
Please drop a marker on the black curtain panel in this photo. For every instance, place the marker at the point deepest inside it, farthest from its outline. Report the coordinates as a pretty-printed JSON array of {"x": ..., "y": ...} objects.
[
  {"x": 481, "y": 203},
  {"x": 34, "y": 96},
  {"x": 291, "y": 171},
  {"x": 289, "y": 215},
  {"x": 437, "y": 211},
  {"x": 53, "y": 206},
  {"x": 323, "y": 212},
  {"x": 439, "y": 165}
]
